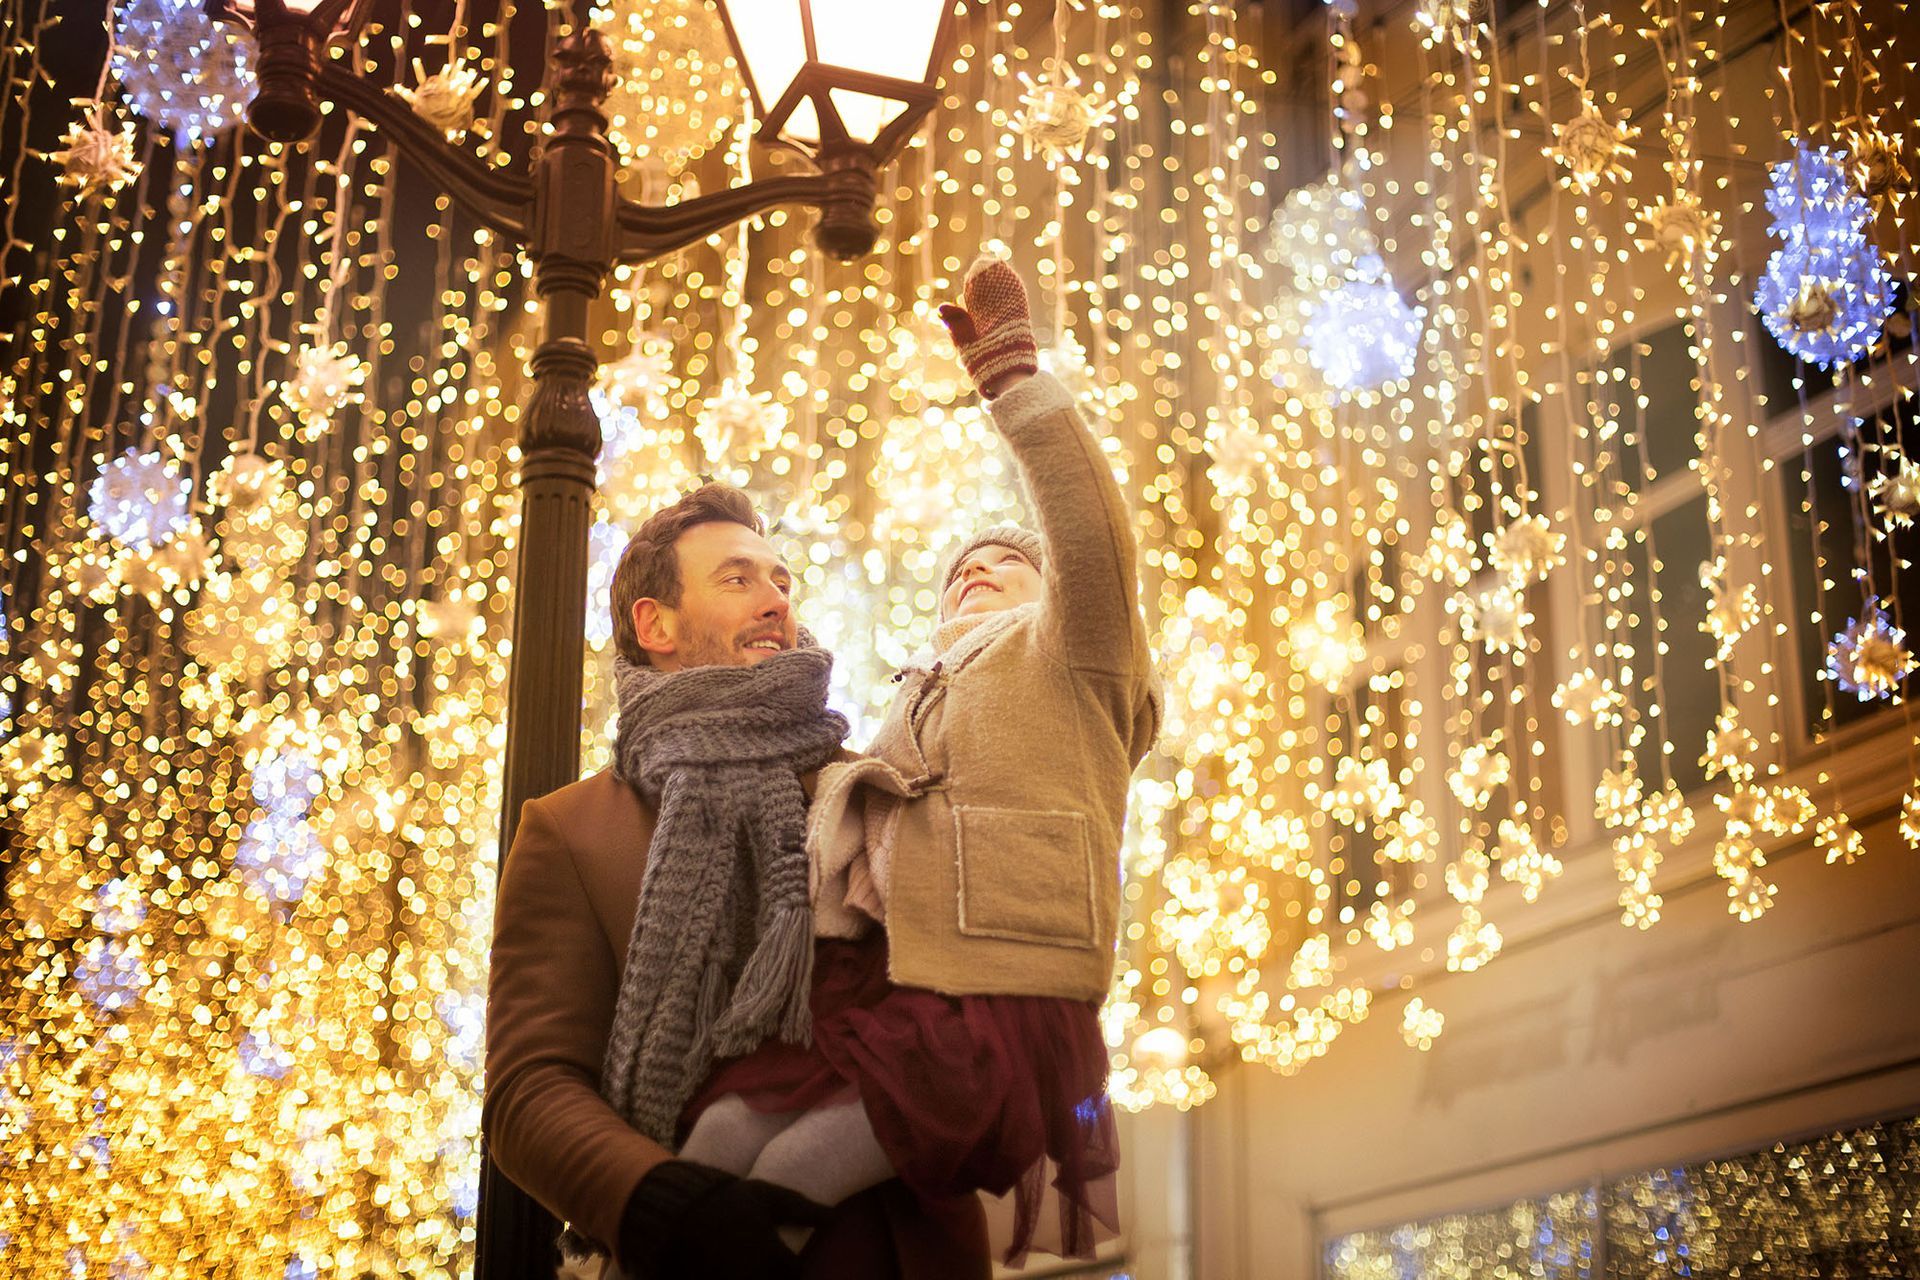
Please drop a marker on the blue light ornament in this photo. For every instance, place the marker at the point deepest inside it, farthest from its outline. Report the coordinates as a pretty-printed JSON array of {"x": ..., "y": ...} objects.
[
  {"x": 1362, "y": 335},
  {"x": 1825, "y": 294}
]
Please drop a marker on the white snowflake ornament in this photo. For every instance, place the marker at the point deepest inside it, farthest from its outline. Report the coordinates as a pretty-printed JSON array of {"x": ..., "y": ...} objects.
[
  {"x": 95, "y": 156},
  {"x": 325, "y": 379},
  {"x": 1681, "y": 228},
  {"x": 1055, "y": 118},
  {"x": 1591, "y": 146},
  {"x": 139, "y": 499},
  {"x": 1896, "y": 495},
  {"x": 1527, "y": 550},
  {"x": 444, "y": 99},
  {"x": 1483, "y": 767}
]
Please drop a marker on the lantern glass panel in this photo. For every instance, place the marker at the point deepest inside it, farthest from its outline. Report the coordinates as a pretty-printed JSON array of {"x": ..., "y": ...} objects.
[
  {"x": 773, "y": 43},
  {"x": 891, "y": 38}
]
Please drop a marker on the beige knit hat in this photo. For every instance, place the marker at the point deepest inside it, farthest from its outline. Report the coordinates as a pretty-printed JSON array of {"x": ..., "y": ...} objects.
[{"x": 1025, "y": 541}]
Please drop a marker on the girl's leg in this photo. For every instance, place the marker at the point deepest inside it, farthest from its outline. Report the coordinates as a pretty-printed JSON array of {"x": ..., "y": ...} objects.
[
  {"x": 826, "y": 1155},
  {"x": 730, "y": 1135}
]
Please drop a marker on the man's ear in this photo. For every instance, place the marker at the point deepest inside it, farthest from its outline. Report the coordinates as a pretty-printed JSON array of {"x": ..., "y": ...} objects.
[{"x": 653, "y": 626}]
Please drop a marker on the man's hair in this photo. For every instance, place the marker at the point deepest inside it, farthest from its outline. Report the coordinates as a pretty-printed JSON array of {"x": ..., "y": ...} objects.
[{"x": 650, "y": 567}]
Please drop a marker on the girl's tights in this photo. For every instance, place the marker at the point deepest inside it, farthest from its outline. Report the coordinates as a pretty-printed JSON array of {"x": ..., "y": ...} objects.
[{"x": 826, "y": 1154}]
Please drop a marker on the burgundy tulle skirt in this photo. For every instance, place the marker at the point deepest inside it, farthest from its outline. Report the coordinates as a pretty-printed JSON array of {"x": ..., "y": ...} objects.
[{"x": 965, "y": 1093}]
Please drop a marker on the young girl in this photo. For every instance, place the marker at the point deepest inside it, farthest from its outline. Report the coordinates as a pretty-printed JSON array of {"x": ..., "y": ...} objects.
[{"x": 960, "y": 1048}]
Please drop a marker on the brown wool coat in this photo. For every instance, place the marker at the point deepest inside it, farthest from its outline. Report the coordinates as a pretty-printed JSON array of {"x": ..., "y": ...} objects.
[
  {"x": 1014, "y": 754},
  {"x": 562, "y": 920}
]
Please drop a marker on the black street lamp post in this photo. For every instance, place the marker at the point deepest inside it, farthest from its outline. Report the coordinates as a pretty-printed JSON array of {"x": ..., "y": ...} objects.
[{"x": 848, "y": 97}]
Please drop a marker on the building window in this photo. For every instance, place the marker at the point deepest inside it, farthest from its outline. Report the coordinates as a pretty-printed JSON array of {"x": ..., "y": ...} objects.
[
  {"x": 1832, "y": 517},
  {"x": 1837, "y": 1205}
]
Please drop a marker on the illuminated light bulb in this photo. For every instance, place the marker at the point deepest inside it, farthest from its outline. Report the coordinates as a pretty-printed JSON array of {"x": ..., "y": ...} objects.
[
  {"x": 1526, "y": 550},
  {"x": 246, "y": 480},
  {"x": 923, "y": 359},
  {"x": 119, "y": 907},
  {"x": 1523, "y": 861},
  {"x": 1312, "y": 964},
  {"x": 1910, "y": 818},
  {"x": 1467, "y": 877},
  {"x": 1592, "y": 147},
  {"x": 1420, "y": 1025},
  {"x": 112, "y": 974},
  {"x": 1483, "y": 767},
  {"x": 1731, "y": 611},
  {"x": 1616, "y": 800},
  {"x": 1363, "y": 792},
  {"x": 736, "y": 423},
  {"x": 1390, "y": 928},
  {"x": 643, "y": 378},
  {"x": 606, "y": 543},
  {"x": 181, "y": 69},
  {"x": 139, "y": 499},
  {"x": 1410, "y": 835},
  {"x": 1877, "y": 166},
  {"x": 1896, "y": 496},
  {"x": 261, "y": 1057},
  {"x": 1588, "y": 698},
  {"x": 278, "y": 855},
  {"x": 1240, "y": 453},
  {"x": 1749, "y": 895},
  {"x": 1681, "y": 228},
  {"x": 1327, "y": 645},
  {"x": 1055, "y": 118},
  {"x": 325, "y": 380},
  {"x": 1869, "y": 658},
  {"x": 452, "y": 620},
  {"x": 1448, "y": 557},
  {"x": 1824, "y": 294},
  {"x": 1162, "y": 1047},
  {"x": 1362, "y": 336},
  {"x": 1498, "y": 617},
  {"x": 1730, "y": 747},
  {"x": 95, "y": 156},
  {"x": 1839, "y": 839},
  {"x": 1473, "y": 942},
  {"x": 444, "y": 99}
]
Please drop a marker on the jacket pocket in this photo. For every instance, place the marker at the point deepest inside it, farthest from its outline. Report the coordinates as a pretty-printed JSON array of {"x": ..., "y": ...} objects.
[{"x": 1025, "y": 875}]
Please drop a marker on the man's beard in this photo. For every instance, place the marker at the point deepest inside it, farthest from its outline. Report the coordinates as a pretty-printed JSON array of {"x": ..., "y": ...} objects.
[{"x": 705, "y": 647}]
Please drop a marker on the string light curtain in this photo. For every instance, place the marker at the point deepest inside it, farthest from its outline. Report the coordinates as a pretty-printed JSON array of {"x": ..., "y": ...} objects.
[{"x": 1371, "y": 370}]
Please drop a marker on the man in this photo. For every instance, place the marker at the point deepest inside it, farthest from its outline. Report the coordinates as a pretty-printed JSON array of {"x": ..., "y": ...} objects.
[{"x": 590, "y": 1059}]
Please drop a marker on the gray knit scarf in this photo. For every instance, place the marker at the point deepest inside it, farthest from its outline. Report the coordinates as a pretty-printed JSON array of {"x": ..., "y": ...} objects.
[{"x": 721, "y": 955}]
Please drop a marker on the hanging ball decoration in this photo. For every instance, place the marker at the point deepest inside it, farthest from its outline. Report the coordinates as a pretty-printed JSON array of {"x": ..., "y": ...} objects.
[
  {"x": 245, "y": 481},
  {"x": 1869, "y": 659},
  {"x": 1055, "y": 118},
  {"x": 1592, "y": 147},
  {"x": 1363, "y": 336},
  {"x": 325, "y": 378},
  {"x": 444, "y": 99},
  {"x": 737, "y": 420},
  {"x": 1896, "y": 495},
  {"x": 139, "y": 499},
  {"x": 277, "y": 855},
  {"x": 1682, "y": 228},
  {"x": 96, "y": 156},
  {"x": 1877, "y": 167},
  {"x": 181, "y": 69},
  {"x": 1824, "y": 295}
]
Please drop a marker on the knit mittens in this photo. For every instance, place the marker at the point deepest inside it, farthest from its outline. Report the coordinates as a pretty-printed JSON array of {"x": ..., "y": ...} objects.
[{"x": 994, "y": 331}]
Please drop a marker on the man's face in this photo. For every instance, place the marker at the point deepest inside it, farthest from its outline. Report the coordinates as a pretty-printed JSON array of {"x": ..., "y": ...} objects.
[
  {"x": 992, "y": 578},
  {"x": 735, "y": 602}
]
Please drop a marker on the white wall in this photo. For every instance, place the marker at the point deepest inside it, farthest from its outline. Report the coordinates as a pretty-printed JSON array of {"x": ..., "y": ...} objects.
[{"x": 1590, "y": 1051}]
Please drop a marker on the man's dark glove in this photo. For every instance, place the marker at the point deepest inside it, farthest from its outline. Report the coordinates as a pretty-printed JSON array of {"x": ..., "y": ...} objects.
[{"x": 690, "y": 1221}]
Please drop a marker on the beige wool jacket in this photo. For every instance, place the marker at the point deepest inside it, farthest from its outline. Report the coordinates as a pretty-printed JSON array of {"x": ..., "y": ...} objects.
[{"x": 1012, "y": 754}]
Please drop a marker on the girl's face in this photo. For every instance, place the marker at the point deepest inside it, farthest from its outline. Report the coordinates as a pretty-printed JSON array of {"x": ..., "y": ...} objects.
[{"x": 990, "y": 579}]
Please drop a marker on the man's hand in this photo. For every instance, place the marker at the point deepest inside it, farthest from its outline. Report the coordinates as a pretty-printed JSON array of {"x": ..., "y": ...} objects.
[
  {"x": 688, "y": 1220},
  {"x": 994, "y": 331}
]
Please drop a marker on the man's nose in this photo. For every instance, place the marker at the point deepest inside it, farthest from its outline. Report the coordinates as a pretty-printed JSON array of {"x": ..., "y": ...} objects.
[{"x": 776, "y": 605}]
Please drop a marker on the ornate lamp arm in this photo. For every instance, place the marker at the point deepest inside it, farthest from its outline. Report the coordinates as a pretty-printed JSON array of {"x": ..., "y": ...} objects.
[
  {"x": 500, "y": 199},
  {"x": 844, "y": 196}
]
